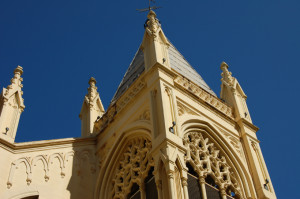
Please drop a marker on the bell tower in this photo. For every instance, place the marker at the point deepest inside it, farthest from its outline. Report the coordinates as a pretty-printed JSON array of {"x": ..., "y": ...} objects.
[
  {"x": 167, "y": 135},
  {"x": 11, "y": 106}
]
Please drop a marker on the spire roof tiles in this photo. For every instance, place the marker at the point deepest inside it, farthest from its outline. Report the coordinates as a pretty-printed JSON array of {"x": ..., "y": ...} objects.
[{"x": 177, "y": 62}]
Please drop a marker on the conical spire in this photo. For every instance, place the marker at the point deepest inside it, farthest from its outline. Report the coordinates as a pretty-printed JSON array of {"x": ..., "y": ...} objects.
[{"x": 157, "y": 49}]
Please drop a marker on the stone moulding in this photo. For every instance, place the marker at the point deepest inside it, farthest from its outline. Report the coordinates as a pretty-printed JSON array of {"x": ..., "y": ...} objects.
[
  {"x": 204, "y": 95},
  {"x": 133, "y": 92},
  {"x": 182, "y": 109}
]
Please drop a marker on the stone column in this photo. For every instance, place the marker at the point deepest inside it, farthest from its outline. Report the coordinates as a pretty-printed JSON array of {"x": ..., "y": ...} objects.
[
  {"x": 202, "y": 185},
  {"x": 159, "y": 188},
  {"x": 171, "y": 184},
  {"x": 143, "y": 190},
  {"x": 185, "y": 188},
  {"x": 223, "y": 193}
]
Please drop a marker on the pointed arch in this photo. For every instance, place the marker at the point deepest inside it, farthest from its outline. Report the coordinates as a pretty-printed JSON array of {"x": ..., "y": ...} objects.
[
  {"x": 61, "y": 162},
  {"x": 123, "y": 147},
  {"x": 163, "y": 178},
  {"x": 25, "y": 194},
  {"x": 213, "y": 139},
  {"x": 14, "y": 166},
  {"x": 177, "y": 179},
  {"x": 45, "y": 164}
]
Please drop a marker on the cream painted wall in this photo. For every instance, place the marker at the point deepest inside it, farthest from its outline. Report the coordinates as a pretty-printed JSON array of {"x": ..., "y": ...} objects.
[{"x": 63, "y": 168}]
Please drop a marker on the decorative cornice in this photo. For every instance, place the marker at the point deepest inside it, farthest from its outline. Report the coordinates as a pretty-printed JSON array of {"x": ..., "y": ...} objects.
[
  {"x": 128, "y": 97},
  {"x": 204, "y": 95},
  {"x": 57, "y": 143},
  {"x": 249, "y": 125}
]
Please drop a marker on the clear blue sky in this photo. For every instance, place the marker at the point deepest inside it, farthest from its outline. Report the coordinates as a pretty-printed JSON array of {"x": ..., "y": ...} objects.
[{"x": 61, "y": 44}]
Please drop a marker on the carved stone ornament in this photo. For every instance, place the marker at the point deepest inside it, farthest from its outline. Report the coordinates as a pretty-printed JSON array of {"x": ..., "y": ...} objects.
[
  {"x": 133, "y": 92},
  {"x": 145, "y": 115},
  {"x": 152, "y": 24},
  {"x": 184, "y": 110},
  {"x": 15, "y": 87},
  {"x": 133, "y": 167},
  {"x": 47, "y": 160},
  {"x": 205, "y": 96},
  {"x": 206, "y": 159},
  {"x": 227, "y": 75},
  {"x": 234, "y": 141},
  {"x": 116, "y": 108},
  {"x": 92, "y": 90}
]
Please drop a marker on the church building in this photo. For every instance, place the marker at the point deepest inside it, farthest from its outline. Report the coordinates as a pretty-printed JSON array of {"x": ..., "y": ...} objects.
[{"x": 165, "y": 135}]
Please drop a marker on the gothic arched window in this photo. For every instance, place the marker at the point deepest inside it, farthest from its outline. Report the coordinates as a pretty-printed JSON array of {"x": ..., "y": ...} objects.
[
  {"x": 212, "y": 189},
  {"x": 209, "y": 173},
  {"x": 133, "y": 177},
  {"x": 150, "y": 186},
  {"x": 135, "y": 192},
  {"x": 194, "y": 188}
]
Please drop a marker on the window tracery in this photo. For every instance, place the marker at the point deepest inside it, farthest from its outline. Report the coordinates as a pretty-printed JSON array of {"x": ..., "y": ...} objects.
[
  {"x": 208, "y": 161},
  {"x": 133, "y": 167}
]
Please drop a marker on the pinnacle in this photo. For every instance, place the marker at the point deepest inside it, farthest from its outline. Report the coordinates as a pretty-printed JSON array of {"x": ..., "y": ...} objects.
[
  {"x": 92, "y": 80},
  {"x": 19, "y": 70},
  {"x": 224, "y": 66},
  {"x": 151, "y": 13}
]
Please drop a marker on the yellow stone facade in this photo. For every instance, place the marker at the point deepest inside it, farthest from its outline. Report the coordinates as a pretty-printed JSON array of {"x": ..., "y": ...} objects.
[{"x": 163, "y": 123}]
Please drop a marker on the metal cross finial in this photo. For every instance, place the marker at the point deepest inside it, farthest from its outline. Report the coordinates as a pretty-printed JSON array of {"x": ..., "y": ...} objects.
[{"x": 149, "y": 8}]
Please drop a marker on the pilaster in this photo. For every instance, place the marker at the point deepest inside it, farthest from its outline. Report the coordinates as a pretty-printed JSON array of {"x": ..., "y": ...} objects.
[
  {"x": 233, "y": 94},
  {"x": 261, "y": 178}
]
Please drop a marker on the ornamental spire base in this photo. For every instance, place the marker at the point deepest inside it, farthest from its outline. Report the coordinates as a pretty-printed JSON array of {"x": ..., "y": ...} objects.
[
  {"x": 233, "y": 94},
  {"x": 11, "y": 106},
  {"x": 92, "y": 109},
  {"x": 155, "y": 44}
]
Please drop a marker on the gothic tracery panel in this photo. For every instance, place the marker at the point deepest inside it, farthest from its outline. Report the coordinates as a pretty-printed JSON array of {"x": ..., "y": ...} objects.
[
  {"x": 132, "y": 167},
  {"x": 206, "y": 159}
]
